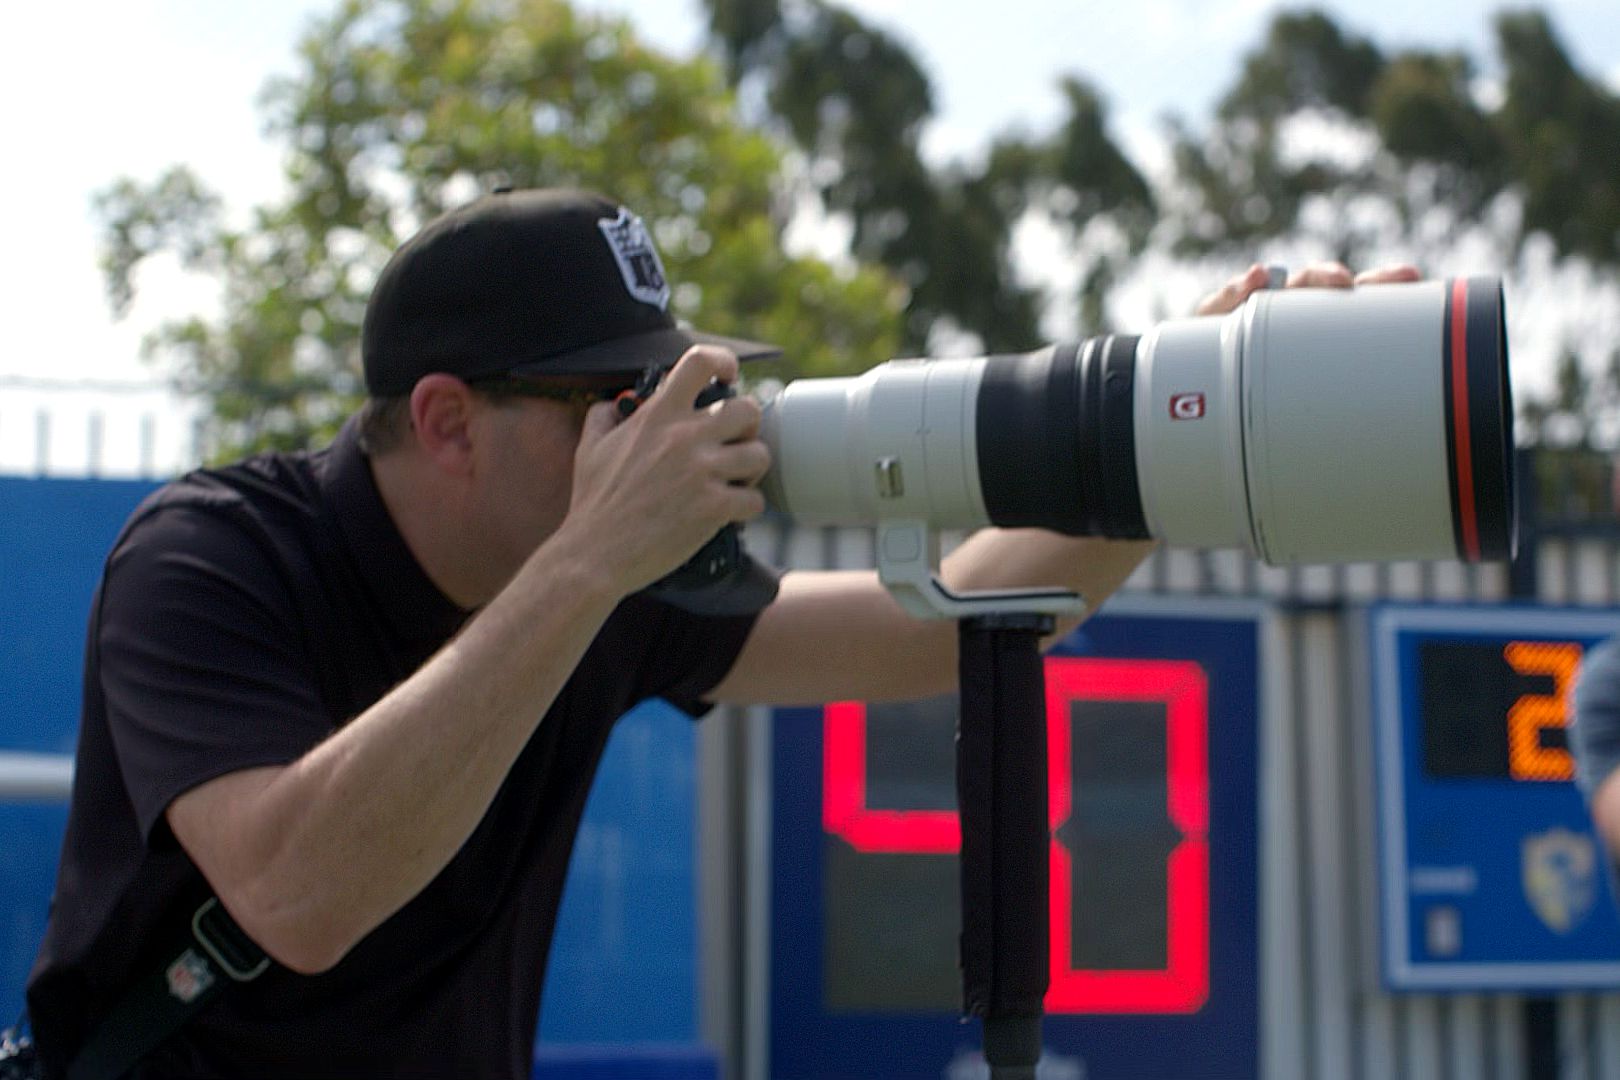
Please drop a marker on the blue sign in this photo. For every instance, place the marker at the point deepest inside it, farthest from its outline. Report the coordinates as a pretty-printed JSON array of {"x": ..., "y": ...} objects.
[
  {"x": 54, "y": 536},
  {"x": 1152, "y": 727},
  {"x": 623, "y": 966},
  {"x": 1490, "y": 877}
]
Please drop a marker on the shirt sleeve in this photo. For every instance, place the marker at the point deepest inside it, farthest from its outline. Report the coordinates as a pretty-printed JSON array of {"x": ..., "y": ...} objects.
[
  {"x": 202, "y": 666},
  {"x": 690, "y": 654}
]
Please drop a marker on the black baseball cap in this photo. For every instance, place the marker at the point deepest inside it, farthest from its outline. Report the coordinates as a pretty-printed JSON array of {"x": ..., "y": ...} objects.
[{"x": 538, "y": 282}]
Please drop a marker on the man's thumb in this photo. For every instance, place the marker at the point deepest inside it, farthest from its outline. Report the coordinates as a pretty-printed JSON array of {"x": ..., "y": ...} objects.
[{"x": 602, "y": 418}]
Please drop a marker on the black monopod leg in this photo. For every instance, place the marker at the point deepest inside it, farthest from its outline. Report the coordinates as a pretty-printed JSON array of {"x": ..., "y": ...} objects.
[{"x": 1001, "y": 797}]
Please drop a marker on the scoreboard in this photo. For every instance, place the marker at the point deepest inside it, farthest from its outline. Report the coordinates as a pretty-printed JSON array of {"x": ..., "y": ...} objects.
[
  {"x": 1152, "y": 723},
  {"x": 1490, "y": 877}
]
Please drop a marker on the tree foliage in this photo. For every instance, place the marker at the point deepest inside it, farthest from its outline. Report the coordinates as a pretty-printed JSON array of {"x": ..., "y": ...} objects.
[
  {"x": 1548, "y": 142},
  {"x": 1561, "y": 136},
  {"x": 856, "y": 102},
  {"x": 400, "y": 109},
  {"x": 1326, "y": 143}
]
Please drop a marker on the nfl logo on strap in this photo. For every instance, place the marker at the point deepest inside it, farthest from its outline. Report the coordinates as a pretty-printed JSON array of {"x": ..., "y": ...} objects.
[
  {"x": 188, "y": 977},
  {"x": 633, "y": 249}
]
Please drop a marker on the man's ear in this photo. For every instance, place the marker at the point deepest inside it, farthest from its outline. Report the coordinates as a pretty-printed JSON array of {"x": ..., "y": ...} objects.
[{"x": 442, "y": 408}]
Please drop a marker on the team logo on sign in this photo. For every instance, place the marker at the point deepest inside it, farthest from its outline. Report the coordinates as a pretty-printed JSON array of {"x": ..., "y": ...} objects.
[
  {"x": 189, "y": 977},
  {"x": 1560, "y": 879},
  {"x": 633, "y": 249},
  {"x": 1186, "y": 406}
]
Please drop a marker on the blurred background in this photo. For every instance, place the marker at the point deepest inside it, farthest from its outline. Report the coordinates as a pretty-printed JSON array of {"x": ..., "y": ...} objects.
[{"x": 202, "y": 195}]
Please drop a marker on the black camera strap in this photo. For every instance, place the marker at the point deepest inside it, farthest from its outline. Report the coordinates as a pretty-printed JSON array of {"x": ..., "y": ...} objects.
[
  {"x": 207, "y": 955},
  {"x": 1001, "y": 795}
]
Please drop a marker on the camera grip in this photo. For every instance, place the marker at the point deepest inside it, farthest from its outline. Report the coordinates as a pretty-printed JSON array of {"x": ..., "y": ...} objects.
[{"x": 719, "y": 578}]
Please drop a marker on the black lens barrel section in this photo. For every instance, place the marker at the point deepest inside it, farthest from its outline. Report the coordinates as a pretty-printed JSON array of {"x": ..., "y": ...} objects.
[
  {"x": 1056, "y": 439},
  {"x": 1479, "y": 419}
]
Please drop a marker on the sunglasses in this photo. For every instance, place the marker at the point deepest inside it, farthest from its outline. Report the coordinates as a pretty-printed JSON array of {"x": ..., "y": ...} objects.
[{"x": 501, "y": 386}]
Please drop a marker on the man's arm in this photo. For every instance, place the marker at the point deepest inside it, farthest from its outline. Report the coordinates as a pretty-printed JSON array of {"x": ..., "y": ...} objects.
[
  {"x": 839, "y": 635},
  {"x": 311, "y": 856}
]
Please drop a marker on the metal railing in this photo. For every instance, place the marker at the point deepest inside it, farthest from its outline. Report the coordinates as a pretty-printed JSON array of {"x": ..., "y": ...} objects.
[
  {"x": 92, "y": 428},
  {"x": 35, "y": 777}
]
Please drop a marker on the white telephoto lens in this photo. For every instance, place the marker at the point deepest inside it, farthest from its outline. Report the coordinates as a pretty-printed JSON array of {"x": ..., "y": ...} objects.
[{"x": 1310, "y": 425}]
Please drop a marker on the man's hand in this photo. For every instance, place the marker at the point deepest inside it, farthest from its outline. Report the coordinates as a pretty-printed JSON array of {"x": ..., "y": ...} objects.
[
  {"x": 652, "y": 489},
  {"x": 1323, "y": 275}
]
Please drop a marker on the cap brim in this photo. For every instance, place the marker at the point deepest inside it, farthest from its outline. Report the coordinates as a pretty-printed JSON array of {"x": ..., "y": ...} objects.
[{"x": 636, "y": 352}]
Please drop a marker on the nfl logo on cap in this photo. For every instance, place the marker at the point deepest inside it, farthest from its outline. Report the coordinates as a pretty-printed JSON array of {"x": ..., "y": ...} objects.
[{"x": 637, "y": 258}]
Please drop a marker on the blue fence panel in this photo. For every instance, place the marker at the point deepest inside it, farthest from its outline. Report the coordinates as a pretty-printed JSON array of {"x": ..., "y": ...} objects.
[
  {"x": 32, "y": 835},
  {"x": 54, "y": 536},
  {"x": 643, "y": 1061},
  {"x": 623, "y": 961}
]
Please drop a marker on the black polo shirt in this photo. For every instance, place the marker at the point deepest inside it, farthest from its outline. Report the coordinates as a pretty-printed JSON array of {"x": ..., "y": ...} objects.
[{"x": 244, "y": 614}]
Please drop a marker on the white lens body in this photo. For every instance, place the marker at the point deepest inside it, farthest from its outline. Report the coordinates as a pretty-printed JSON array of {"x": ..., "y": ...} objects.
[
  {"x": 1322, "y": 436},
  {"x": 897, "y": 442},
  {"x": 1310, "y": 425},
  {"x": 1189, "y": 433},
  {"x": 1347, "y": 424}
]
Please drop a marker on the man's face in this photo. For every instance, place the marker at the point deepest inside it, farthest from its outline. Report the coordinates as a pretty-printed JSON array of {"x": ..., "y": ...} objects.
[{"x": 534, "y": 428}]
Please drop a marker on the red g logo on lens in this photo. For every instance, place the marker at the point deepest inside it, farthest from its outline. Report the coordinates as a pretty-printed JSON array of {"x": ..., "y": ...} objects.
[{"x": 1186, "y": 406}]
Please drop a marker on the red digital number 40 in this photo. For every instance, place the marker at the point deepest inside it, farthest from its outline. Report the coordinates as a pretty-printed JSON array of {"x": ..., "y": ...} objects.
[{"x": 1182, "y": 984}]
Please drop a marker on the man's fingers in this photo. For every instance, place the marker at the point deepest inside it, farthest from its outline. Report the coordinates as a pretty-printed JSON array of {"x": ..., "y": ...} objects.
[
  {"x": 743, "y": 463},
  {"x": 697, "y": 367},
  {"x": 1234, "y": 292},
  {"x": 744, "y": 504},
  {"x": 734, "y": 418},
  {"x": 1322, "y": 275},
  {"x": 602, "y": 418},
  {"x": 1388, "y": 275}
]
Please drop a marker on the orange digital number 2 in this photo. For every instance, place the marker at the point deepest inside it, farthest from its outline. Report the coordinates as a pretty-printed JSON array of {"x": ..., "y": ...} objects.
[{"x": 1532, "y": 714}]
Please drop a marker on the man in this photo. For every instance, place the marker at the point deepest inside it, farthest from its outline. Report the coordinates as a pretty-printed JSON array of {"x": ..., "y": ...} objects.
[{"x": 360, "y": 694}]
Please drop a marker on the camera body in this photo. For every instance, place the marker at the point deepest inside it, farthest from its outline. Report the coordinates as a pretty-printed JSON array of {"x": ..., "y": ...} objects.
[{"x": 719, "y": 578}]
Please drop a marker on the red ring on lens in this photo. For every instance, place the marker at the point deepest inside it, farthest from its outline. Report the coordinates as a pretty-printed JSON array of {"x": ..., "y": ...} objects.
[{"x": 1461, "y": 433}]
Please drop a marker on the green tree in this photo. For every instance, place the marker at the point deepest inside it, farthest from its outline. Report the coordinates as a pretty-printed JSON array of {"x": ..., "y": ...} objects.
[
  {"x": 1436, "y": 146},
  {"x": 400, "y": 109},
  {"x": 1561, "y": 134}
]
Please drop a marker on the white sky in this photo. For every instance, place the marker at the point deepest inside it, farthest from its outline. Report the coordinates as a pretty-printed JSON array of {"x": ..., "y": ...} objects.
[{"x": 98, "y": 89}]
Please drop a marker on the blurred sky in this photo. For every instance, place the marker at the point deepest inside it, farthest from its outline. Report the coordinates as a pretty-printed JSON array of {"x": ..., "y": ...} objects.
[{"x": 94, "y": 90}]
